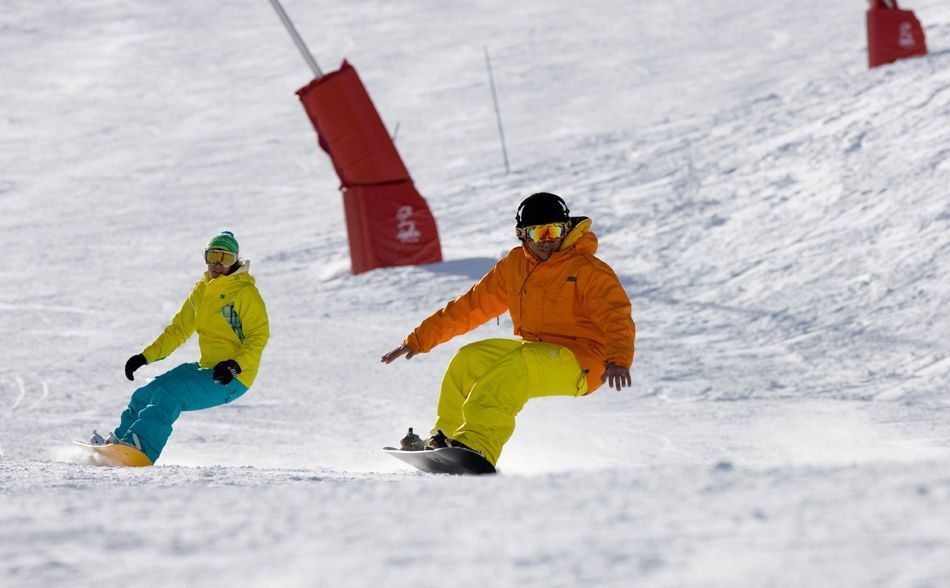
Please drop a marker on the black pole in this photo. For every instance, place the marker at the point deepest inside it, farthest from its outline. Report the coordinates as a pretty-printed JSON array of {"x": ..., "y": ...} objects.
[{"x": 494, "y": 97}]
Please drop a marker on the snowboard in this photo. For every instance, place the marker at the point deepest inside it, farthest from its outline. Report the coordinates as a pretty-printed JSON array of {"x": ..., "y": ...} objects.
[
  {"x": 116, "y": 455},
  {"x": 445, "y": 460}
]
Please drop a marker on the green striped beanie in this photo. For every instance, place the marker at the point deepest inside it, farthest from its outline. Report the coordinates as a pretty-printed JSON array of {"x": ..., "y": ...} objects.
[{"x": 224, "y": 241}]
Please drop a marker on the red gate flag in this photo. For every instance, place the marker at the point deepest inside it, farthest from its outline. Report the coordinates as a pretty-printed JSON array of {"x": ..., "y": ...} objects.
[
  {"x": 892, "y": 33},
  {"x": 387, "y": 225},
  {"x": 388, "y": 222}
]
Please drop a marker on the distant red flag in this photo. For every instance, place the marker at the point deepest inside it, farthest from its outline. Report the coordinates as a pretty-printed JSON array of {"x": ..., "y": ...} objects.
[{"x": 893, "y": 33}]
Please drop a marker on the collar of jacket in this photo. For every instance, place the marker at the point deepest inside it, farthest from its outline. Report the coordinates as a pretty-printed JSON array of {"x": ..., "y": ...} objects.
[{"x": 581, "y": 227}]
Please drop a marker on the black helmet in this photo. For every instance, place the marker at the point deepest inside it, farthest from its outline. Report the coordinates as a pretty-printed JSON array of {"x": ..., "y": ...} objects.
[{"x": 540, "y": 209}]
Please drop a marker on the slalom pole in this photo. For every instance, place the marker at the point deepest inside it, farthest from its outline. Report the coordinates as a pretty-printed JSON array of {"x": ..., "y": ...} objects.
[
  {"x": 494, "y": 97},
  {"x": 307, "y": 56}
]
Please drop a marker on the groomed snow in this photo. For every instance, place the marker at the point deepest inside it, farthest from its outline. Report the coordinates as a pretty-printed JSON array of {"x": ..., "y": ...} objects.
[{"x": 777, "y": 213}]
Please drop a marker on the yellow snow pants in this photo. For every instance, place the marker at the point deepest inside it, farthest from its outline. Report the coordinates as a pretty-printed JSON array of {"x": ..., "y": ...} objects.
[{"x": 488, "y": 383}]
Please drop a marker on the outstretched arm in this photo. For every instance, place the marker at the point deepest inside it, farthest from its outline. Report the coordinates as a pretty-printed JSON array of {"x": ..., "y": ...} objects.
[
  {"x": 484, "y": 301},
  {"x": 175, "y": 334}
]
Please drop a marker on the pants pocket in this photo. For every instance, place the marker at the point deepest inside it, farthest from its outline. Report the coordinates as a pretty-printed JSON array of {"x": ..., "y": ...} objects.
[{"x": 570, "y": 365}]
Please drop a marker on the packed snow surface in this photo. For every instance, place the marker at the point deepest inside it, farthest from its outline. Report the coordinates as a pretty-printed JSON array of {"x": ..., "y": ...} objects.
[{"x": 778, "y": 214}]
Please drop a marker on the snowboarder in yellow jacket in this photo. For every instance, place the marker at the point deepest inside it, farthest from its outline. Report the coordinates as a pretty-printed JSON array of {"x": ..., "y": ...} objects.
[
  {"x": 228, "y": 313},
  {"x": 570, "y": 311}
]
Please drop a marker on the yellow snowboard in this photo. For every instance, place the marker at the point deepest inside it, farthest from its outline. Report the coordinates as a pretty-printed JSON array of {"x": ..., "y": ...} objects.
[{"x": 115, "y": 454}]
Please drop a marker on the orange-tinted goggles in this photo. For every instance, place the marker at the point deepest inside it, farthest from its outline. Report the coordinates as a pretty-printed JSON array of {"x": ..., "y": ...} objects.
[
  {"x": 225, "y": 258},
  {"x": 542, "y": 233}
]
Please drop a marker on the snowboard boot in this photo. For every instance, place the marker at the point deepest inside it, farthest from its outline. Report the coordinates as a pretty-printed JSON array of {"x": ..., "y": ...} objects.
[
  {"x": 133, "y": 442},
  {"x": 411, "y": 442},
  {"x": 459, "y": 444},
  {"x": 111, "y": 438},
  {"x": 438, "y": 441},
  {"x": 96, "y": 439}
]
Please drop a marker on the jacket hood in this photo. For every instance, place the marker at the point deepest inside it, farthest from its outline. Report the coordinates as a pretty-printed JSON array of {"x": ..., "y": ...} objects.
[{"x": 580, "y": 236}]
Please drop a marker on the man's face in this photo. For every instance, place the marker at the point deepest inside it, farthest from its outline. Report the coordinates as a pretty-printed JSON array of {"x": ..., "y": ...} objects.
[
  {"x": 543, "y": 240},
  {"x": 545, "y": 249}
]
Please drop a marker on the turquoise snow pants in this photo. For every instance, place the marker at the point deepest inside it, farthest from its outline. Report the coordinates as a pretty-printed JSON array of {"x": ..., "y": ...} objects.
[{"x": 156, "y": 406}]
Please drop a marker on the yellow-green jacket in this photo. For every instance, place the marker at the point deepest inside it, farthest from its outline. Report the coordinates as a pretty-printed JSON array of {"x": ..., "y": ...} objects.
[{"x": 229, "y": 315}]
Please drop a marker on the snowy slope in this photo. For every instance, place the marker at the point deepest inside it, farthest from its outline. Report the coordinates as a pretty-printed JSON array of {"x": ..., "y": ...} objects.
[{"x": 778, "y": 214}]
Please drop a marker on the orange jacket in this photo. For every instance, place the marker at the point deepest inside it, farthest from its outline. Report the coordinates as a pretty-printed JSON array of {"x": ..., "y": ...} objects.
[{"x": 572, "y": 299}]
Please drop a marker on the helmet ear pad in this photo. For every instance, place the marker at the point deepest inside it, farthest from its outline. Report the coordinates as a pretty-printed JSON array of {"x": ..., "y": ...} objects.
[{"x": 542, "y": 208}]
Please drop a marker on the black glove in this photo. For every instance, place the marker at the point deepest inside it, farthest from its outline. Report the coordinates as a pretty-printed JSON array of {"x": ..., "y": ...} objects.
[
  {"x": 225, "y": 371},
  {"x": 134, "y": 363}
]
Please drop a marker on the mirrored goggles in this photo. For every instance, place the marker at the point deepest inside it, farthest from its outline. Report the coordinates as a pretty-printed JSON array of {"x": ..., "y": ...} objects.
[
  {"x": 225, "y": 258},
  {"x": 542, "y": 233}
]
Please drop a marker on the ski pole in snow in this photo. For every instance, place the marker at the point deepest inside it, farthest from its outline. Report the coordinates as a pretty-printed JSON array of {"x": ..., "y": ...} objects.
[
  {"x": 494, "y": 97},
  {"x": 307, "y": 56}
]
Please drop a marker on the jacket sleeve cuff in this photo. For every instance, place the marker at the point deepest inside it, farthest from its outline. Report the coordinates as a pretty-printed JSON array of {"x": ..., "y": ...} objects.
[{"x": 412, "y": 342}]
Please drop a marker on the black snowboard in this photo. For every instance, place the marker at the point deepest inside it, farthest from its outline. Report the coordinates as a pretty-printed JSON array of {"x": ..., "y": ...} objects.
[{"x": 447, "y": 460}]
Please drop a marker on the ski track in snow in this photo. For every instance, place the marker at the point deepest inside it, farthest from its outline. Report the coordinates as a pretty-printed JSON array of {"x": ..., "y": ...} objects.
[{"x": 778, "y": 214}]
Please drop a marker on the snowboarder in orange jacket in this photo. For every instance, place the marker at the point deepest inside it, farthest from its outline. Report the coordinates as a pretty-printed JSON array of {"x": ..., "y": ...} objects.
[{"x": 569, "y": 309}]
